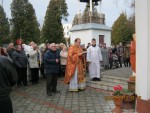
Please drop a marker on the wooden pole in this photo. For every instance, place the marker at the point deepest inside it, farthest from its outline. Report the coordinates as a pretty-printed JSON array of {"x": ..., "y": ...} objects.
[{"x": 91, "y": 9}]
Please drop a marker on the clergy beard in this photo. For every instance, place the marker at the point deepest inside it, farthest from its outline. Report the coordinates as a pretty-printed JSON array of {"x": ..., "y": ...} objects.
[{"x": 94, "y": 45}]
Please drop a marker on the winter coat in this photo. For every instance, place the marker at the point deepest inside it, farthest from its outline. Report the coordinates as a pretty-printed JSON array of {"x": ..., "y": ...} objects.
[
  {"x": 50, "y": 64},
  {"x": 63, "y": 57},
  {"x": 8, "y": 76},
  {"x": 20, "y": 59},
  {"x": 10, "y": 52},
  {"x": 34, "y": 58}
]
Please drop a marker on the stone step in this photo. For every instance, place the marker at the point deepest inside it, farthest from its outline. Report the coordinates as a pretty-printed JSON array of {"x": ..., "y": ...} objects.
[
  {"x": 114, "y": 79},
  {"x": 105, "y": 85}
]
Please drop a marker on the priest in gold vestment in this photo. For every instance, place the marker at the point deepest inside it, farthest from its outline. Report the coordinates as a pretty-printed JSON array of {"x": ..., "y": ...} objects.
[{"x": 74, "y": 75}]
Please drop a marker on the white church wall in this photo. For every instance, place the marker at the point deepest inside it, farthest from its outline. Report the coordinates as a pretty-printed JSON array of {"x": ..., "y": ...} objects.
[
  {"x": 87, "y": 35},
  {"x": 107, "y": 36},
  {"x": 84, "y": 35}
]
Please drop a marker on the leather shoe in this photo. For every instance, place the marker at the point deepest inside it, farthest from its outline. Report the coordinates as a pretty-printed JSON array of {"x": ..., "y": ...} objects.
[
  {"x": 93, "y": 79},
  {"x": 49, "y": 94},
  {"x": 55, "y": 91},
  {"x": 98, "y": 79}
]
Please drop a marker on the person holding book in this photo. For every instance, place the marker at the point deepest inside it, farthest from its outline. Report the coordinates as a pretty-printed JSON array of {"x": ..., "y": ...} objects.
[{"x": 74, "y": 75}]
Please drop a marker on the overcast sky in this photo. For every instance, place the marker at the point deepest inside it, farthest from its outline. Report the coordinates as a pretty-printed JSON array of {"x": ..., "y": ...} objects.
[{"x": 111, "y": 9}]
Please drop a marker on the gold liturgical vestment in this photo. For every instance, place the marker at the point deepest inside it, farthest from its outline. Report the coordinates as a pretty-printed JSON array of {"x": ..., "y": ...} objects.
[{"x": 74, "y": 61}]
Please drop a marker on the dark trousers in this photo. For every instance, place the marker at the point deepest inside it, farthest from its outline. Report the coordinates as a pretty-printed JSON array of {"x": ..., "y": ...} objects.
[
  {"x": 51, "y": 82},
  {"x": 35, "y": 75},
  {"x": 42, "y": 70},
  {"x": 127, "y": 62},
  {"x": 120, "y": 60},
  {"x": 22, "y": 76},
  {"x": 63, "y": 69},
  {"x": 110, "y": 63},
  {"x": 6, "y": 105}
]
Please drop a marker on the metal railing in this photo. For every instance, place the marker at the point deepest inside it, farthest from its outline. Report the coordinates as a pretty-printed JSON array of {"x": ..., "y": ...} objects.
[{"x": 89, "y": 18}]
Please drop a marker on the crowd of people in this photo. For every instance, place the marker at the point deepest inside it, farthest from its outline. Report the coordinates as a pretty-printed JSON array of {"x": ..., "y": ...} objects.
[
  {"x": 29, "y": 59},
  {"x": 27, "y": 63},
  {"x": 116, "y": 56},
  {"x": 22, "y": 64}
]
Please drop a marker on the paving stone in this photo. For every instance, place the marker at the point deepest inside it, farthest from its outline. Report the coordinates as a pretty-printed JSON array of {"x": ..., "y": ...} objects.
[
  {"x": 37, "y": 108},
  {"x": 99, "y": 110},
  {"x": 42, "y": 111},
  {"x": 33, "y": 99},
  {"x": 27, "y": 111},
  {"x": 49, "y": 111},
  {"x": 107, "y": 112},
  {"x": 76, "y": 111},
  {"x": 35, "y": 111},
  {"x": 83, "y": 111},
  {"x": 57, "y": 111},
  {"x": 83, "y": 108},
  {"x": 91, "y": 107}
]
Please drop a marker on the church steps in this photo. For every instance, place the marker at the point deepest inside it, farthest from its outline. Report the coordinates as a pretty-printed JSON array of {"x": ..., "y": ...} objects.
[
  {"x": 107, "y": 83},
  {"x": 118, "y": 80}
]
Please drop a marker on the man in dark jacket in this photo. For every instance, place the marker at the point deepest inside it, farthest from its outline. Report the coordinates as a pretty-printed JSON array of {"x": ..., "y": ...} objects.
[
  {"x": 10, "y": 49},
  {"x": 20, "y": 61},
  {"x": 51, "y": 59},
  {"x": 8, "y": 78}
]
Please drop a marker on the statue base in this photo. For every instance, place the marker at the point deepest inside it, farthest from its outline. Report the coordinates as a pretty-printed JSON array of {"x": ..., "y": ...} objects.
[
  {"x": 132, "y": 78},
  {"x": 131, "y": 83}
]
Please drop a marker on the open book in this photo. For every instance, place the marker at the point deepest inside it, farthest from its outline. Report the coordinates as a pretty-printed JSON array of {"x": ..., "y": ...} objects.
[{"x": 84, "y": 52}]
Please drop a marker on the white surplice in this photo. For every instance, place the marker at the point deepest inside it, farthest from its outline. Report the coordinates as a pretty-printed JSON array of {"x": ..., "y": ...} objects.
[
  {"x": 74, "y": 85},
  {"x": 94, "y": 57}
]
